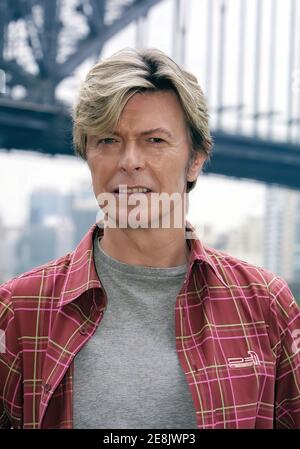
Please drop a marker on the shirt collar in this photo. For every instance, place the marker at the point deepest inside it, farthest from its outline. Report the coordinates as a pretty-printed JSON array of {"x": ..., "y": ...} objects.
[
  {"x": 82, "y": 274},
  {"x": 199, "y": 252}
]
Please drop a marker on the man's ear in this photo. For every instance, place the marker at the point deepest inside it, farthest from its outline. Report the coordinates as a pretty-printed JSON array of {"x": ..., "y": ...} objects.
[{"x": 195, "y": 165}]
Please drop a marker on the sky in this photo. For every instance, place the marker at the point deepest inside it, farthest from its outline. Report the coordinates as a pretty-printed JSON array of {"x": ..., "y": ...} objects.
[{"x": 216, "y": 200}]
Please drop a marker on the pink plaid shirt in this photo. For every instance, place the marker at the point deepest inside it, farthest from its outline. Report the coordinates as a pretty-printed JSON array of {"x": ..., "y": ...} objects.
[{"x": 237, "y": 339}]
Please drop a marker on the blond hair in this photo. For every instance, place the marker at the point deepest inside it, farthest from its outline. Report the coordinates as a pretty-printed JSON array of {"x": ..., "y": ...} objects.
[{"x": 112, "y": 82}]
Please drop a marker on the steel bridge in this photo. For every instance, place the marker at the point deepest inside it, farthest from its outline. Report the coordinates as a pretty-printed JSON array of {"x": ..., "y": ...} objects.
[{"x": 251, "y": 77}]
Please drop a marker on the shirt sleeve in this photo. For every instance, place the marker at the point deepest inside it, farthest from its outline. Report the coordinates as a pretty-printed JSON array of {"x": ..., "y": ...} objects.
[
  {"x": 285, "y": 313},
  {"x": 10, "y": 371}
]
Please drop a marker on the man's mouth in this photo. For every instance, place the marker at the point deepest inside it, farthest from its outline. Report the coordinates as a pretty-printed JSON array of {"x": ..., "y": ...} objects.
[{"x": 129, "y": 191}]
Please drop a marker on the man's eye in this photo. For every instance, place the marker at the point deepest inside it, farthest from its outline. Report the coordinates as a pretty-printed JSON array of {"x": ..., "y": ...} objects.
[
  {"x": 106, "y": 140},
  {"x": 156, "y": 140}
]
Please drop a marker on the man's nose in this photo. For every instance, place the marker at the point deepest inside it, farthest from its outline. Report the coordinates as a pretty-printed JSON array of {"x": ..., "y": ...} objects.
[{"x": 132, "y": 157}]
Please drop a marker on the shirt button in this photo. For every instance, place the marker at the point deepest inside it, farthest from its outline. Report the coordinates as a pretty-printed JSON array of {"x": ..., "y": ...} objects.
[
  {"x": 47, "y": 388},
  {"x": 83, "y": 331}
]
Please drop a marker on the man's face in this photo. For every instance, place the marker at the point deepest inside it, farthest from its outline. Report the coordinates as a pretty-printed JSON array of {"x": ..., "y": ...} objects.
[{"x": 149, "y": 147}]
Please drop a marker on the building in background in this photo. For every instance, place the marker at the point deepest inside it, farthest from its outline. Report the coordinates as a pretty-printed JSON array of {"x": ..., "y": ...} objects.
[
  {"x": 8, "y": 238},
  {"x": 245, "y": 241},
  {"x": 296, "y": 271},
  {"x": 56, "y": 224},
  {"x": 83, "y": 212},
  {"x": 282, "y": 233}
]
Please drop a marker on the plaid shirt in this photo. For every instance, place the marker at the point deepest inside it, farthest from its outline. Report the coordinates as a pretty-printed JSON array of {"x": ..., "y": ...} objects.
[{"x": 236, "y": 325}]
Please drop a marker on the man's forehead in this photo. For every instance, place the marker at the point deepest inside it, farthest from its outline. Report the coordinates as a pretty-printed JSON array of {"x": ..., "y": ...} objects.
[{"x": 164, "y": 117}]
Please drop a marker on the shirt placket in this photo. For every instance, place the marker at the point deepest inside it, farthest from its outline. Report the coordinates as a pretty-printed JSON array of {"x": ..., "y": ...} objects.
[{"x": 54, "y": 372}]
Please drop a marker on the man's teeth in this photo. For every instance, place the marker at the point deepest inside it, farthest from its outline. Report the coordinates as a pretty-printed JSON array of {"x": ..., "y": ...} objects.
[{"x": 134, "y": 190}]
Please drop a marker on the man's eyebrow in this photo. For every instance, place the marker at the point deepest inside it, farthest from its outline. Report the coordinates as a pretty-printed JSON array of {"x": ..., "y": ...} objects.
[
  {"x": 156, "y": 130},
  {"x": 149, "y": 131}
]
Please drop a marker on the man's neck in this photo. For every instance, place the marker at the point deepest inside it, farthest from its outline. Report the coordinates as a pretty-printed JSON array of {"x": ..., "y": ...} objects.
[{"x": 158, "y": 247}]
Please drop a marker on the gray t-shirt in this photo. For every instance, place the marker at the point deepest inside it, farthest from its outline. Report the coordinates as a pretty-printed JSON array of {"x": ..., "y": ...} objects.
[{"x": 128, "y": 376}]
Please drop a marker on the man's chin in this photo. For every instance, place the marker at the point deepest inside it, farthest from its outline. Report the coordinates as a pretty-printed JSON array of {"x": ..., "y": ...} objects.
[
  {"x": 127, "y": 223},
  {"x": 135, "y": 222}
]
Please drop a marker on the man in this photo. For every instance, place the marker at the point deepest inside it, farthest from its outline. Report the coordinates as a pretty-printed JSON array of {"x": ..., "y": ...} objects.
[{"x": 142, "y": 326}]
